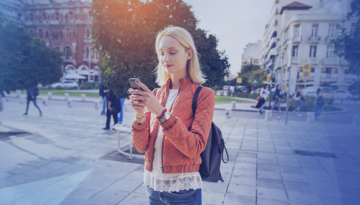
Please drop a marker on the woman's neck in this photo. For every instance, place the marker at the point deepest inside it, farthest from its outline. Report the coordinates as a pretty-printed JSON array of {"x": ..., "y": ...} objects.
[{"x": 175, "y": 81}]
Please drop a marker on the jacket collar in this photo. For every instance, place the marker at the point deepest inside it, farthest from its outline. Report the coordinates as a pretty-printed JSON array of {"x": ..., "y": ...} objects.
[{"x": 183, "y": 83}]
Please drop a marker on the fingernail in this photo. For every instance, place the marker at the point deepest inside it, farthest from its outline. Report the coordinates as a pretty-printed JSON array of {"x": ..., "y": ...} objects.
[{"x": 137, "y": 81}]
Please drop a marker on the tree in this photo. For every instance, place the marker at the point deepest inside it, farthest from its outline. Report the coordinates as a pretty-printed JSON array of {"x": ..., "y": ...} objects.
[
  {"x": 347, "y": 44},
  {"x": 25, "y": 61},
  {"x": 249, "y": 73},
  {"x": 125, "y": 31}
]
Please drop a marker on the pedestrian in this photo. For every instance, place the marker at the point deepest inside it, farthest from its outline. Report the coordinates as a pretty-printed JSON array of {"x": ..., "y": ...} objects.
[
  {"x": 264, "y": 93},
  {"x": 319, "y": 103},
  {"x": 277, "y": 96},
  {"x": 3, "y": 95},
  {"x": 32, "y": 93},
  {"x": 298, "y": 97},
  {"x": 164, "y": 125},
  {"x": 121, "y": 113},
  {"x": 113, "y": 109},
  {"x": 103, "y": 90}
]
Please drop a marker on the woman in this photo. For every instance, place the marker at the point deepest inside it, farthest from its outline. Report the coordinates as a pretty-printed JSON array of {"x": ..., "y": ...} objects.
[
  {"x": 319, "y": 103},
  {"x": 165, "y": 127},
  {"x": 298, "y": 97},
  {"x": 31, "y": 96},
  {"x": 277, "y": 97},
  {"x": 113, "y": 109},
  {"x": 264, "y": 93}
]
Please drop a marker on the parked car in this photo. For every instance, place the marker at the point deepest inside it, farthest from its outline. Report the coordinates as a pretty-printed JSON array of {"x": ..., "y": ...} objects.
[
  {"x": 256, "y": 91},
  {"x": 328, "y": 92},
  {"x": 355, "y": 96},
  {"x": 66, "y": 84},
  {"x": 241, "y": 88},
  {"x": 342, "y": 95},
  {"x": 228, "y": 88}
]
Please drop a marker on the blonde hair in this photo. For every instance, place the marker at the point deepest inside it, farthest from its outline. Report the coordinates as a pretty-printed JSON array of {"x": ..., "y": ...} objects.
[{"x": 192, "y": 65}]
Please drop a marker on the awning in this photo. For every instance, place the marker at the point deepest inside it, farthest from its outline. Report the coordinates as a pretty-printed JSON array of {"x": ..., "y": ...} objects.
[{"x": 74, "y": 76}]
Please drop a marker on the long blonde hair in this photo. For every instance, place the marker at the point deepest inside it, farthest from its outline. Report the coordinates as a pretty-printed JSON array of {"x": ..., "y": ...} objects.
[{"x": 192, "y": 66}]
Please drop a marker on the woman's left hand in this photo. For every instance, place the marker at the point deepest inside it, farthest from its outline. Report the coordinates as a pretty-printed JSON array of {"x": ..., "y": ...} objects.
[{"x": 146, "y": 98}]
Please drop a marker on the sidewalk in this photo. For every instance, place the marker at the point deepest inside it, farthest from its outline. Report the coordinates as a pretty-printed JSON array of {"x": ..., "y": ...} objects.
[{"x": 60, "y": 160}]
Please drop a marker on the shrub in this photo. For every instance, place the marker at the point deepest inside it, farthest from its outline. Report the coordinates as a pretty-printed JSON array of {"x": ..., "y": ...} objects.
[{"x": 89, "y": 85}]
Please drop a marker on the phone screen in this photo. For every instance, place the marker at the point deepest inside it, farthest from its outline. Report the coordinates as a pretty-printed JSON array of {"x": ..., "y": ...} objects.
[{"x": 133, "y": 83}]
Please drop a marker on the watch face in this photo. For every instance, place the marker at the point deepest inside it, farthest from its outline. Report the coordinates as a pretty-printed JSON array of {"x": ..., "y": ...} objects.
[{"x": 167, "y": 115}]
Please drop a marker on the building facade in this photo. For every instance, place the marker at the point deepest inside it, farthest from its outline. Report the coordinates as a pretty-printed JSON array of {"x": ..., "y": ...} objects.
[
  {"x": 13, "y": 10},
  {"x": 301, "y": 32},
  {"x": 65, "y": 25},
  {"x": 251, "y": 54}
]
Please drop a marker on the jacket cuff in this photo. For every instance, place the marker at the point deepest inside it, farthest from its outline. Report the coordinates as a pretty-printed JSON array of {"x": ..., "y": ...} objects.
[
  {"x": 168, "y": 123},
  {"x": 139, "y": 127}
]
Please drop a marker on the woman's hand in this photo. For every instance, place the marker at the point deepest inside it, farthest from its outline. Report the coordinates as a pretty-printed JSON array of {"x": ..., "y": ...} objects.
[
  {"x": 144, "y": 99},
  {"x": 109, "y": 107}
]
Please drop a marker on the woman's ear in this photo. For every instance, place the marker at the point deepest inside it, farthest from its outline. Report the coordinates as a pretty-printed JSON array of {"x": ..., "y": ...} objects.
[{"x": 190, "y": 53}]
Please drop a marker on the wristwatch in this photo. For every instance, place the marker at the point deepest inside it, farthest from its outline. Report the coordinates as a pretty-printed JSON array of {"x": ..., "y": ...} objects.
[{"x": 166, "y": 116}]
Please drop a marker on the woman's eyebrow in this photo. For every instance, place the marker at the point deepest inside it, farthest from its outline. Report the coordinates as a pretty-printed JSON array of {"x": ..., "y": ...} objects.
[{"x": 168, "y": 48}]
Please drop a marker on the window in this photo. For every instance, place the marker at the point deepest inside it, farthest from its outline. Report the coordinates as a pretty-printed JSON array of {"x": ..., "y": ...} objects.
[
  {"x": 74, "y": 35},
  {"x": 332, "y": 30},
  {"x": 57, "y": 16},
  {"x": 44, "y": 16},
  {"x": 60, "y": 34},
  {"x": 312, "y": 69},
  {"x": 31, "y": 32},
  {"x": 87, "y": 33},
  {"x": 67, "y": 53},
  {"x": 312, "y": 53},
  {"x": 67, "y": 33},
  {"x": 46, "y": 34},
  {"x": 92, "y": 53},
  {"x": 295, "y": 51},
  {"x": 330, "y": 52},
  {"x": 40, "y": 33},
  {"x": 314, "y": 30},
  {"x": 71, "y": 15},
  {"x": 86, "y": 53},
  {"x": 31, "y": 17},
  {"x": 297, "y": 31}
]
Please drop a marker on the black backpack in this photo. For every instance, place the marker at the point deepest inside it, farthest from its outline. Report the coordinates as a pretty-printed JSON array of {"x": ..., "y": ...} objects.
[{"x": 214, "y": 151}]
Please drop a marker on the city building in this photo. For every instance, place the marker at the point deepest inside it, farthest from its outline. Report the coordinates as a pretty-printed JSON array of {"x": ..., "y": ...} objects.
[
  {"x": 65, "y": 25},
  {"x": 301, "y": 32},
  {"x": 251, "y": 54},
  {"x": 13, "y": 10}
]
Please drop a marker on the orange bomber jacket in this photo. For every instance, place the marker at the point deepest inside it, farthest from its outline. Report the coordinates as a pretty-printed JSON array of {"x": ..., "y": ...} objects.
[{"x": 185, "y": 137}]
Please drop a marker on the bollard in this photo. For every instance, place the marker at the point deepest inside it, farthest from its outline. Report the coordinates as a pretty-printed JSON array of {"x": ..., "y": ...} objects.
[
  {"x": 96, "y": 104},
  {"x": 101, "y": 100},
  {"x": 356, "y": 120},
  {"x": 233, "y": 105},
  {"x": 49, "y": 95},
  {"x": 21, "y": 100},
  {"x": 18, "y": 93},
  {"x": 127, "y": 107},
  {"x": 70, "y": 103},
  {"x": 83, "y": 97},
  {"x": 310, "y": 117},
  {"x": 228, "y": 113},
  {"x": 44, "y": 101},
  {"x": 66, "y": 96},
  {"x": 268, "y": 115}
]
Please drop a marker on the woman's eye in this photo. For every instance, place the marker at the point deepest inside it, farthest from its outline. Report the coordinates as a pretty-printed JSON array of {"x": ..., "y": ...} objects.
[{"x": 172, "y": 53}]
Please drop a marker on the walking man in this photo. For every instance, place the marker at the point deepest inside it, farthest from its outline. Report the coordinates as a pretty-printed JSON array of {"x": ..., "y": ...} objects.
[
  {"x": 103, "y": 90},
  {"x": 31, "y": 96}
]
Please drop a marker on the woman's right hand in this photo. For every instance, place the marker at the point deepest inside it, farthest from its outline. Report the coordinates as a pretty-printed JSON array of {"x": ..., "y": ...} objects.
[{"x": 139, "y": 109}]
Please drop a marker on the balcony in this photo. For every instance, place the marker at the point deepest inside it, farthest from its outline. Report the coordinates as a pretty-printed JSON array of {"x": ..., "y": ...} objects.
[
  {"x": 329, "y": 38},
  {"x": 328, "y": 75},
  {"x": 297, "y": 39},
  {"x": 331, "y": 61},
  {"x": 295, "y": 60},
  {"x": 313, "y": 61},
  {"x": 314, "y": 39}
]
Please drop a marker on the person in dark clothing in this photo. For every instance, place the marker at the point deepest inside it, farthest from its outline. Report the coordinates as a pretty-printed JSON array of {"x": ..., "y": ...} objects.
[
  {"x": 103, "y": 91},
  {"x": 113, "y": 108},
  {"x": 31, "y": 96},
  {"x": 319, "y": 103},
  {"x": 277, "y": 97}
]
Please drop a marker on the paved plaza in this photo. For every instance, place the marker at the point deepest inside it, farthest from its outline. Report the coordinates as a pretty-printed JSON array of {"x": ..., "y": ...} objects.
[{"x": 59, "y": 159}]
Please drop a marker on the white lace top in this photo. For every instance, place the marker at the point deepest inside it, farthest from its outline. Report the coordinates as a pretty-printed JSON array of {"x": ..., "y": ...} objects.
[{"x": 159, "y": 181}]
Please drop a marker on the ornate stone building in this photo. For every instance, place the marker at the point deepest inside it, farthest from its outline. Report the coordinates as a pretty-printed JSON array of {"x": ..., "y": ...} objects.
[{"x": 65, "y": 25}]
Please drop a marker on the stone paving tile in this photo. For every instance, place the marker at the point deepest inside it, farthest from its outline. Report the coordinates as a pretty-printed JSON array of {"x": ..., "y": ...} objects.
[
  {"x": 244, "y": 190},
  {"x": 134, "y": 199},
  {"x": 77, "y": 201},
  {"x": 269, "y": 175},
  {"x": 306, "y": 198},
  {"x": 125, "y": 185},
  {"x": 231, "y": 199},
  {"x": 109, "y": 196},
  {"x": 215, "y": 187},
  {"x": 244, "y": 165},
  {"x": 85, "y": 192},
  {"x": 245, "y": 172},
  {"x": 261, "y": 201},
  {"x": 250, "y": 181},
  {"x": 270, "y": 183},
  {"x": 270, "y": 193},
  {"x": 209, "y": 197}
]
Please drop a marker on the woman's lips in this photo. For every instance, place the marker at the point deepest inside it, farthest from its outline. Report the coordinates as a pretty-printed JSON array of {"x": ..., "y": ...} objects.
[{"x": 168, "y": 66}]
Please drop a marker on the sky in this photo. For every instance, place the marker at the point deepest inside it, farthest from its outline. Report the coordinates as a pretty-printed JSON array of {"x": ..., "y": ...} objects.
[{"x": 234, "y": 22}]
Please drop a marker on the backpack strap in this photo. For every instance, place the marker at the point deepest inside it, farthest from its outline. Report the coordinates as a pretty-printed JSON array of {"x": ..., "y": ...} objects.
[{"x": 195, "y": 99}]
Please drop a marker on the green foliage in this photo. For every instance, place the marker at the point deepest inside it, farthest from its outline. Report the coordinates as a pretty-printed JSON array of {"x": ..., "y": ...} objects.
[
  {"x": 25, "y": 61},
  {"x": 355, "y": 87},
  {"x": 347, "y": 44},
  {"x": 125, "y": 32},
  {"x": 251, "y": 72}
]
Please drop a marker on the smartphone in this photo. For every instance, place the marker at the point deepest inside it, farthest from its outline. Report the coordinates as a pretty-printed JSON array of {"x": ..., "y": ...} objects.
[{"x": 133, "y": 83}]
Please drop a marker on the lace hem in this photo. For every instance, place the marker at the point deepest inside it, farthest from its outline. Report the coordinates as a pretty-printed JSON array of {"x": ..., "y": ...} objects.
[{"x": 173, "y": 182}]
